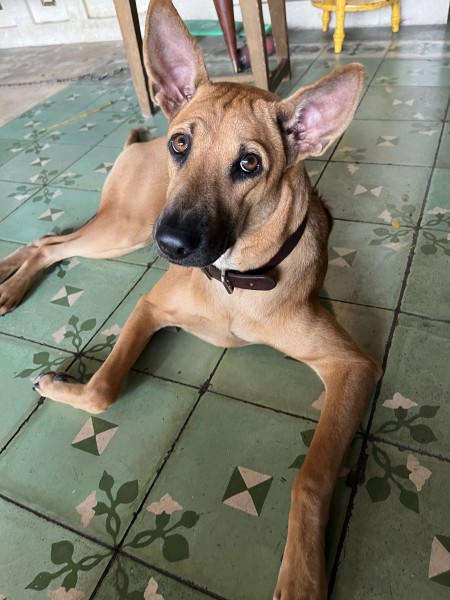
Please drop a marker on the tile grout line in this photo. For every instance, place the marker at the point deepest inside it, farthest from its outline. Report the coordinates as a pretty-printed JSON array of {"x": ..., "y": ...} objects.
[
  {"x": 187, "y": 582},
  {"x": 400, "y": 446},
  {"x": 118, "y": 548},
  {"x": 360, "y": 468}
]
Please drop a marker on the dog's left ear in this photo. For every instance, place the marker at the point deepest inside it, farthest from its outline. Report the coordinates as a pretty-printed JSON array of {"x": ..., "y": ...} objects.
[
  {"x": 172, "y": 58},
  {"x": 316, "y": 115}
]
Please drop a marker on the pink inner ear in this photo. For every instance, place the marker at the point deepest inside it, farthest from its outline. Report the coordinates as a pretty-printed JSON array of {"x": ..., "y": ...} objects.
[{"x": 323, "y": 112}]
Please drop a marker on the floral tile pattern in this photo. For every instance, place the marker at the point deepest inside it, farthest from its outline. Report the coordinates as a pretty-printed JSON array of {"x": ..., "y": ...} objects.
[{"x": 192, "y": 467}]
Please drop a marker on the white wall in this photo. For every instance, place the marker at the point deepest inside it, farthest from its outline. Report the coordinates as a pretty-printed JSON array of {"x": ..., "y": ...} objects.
[{"x": 28, "y": 23}]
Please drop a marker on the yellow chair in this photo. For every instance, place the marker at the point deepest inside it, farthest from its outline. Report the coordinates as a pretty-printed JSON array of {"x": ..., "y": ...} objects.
[{"x": 343, "y": 6}]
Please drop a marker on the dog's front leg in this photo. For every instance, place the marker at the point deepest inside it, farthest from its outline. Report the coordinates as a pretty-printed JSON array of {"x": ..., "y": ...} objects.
[
  {"x": 104, "y": 387},
  {"x": 349, "y": 377}
]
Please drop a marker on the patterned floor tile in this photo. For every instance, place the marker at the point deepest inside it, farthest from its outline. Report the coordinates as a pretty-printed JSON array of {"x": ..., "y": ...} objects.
[
  {"x": 172, "y": 354},
  {"x": 398, "y": 543},
  {"x": 366, "y": 263},
  {"x": 414, "y": 404},
  {"x": 40, "y": 555},
  {"x": 390, "y": 142},
  {"x": 264, "y": 376},
  {"x": 415, "y": 49},
  {"x": 106, "y": 476},
  {"x": 14, "y": 195},
  {"x": 404, "y": 103},
  {"x": 89, "y": 173},
  {"x": 18, "y": 398},
  {"x": 86, "y": 131},
  {"x": 41, "y": 162},
  {"x": 52, "y": 210},
  {"x": 70, "y": 304},
  {"x": 359, "y": 49},
  {"x": 437, "y": 208},
  {"x": 375, "y": 193},
  {"x": 324, "y": 66},
  {"x": 315, "y": 169},
  {"x": 30, "y": 124},
  {"x": 413, "y": 72},
  {"x": 10, "y": 148},
  {"x": 428, "y": 287},
  {"x": 155, "y": 126},
  {"x": 193, "y": 496},
  {"x": 443, "y": 159},
  {"x": 127, "y": 577},
  {"x": 74, "y": 100}
]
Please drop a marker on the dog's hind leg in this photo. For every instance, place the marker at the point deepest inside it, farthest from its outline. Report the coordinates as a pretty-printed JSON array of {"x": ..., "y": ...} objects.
[
  {"x": 349, "y": 377},
  {"x": 102, "y": 237}
]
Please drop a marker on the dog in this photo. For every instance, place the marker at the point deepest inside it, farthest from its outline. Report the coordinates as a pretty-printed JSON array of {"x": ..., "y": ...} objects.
[{"x": 226, "y": 200}]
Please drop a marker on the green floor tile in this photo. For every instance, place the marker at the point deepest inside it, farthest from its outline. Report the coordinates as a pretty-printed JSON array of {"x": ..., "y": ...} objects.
[
  {"x": 68, "y": 305},
  {"x": 358, "y": 49},
  {"x": 419, "y": 49},
  {"x": 404, "y": 103},
  {"x": 65, "y": 462},
  {"x": 366, "y": 263},
  {"x": 127, "y": 577},
  {"x": 264, "y": 376},
  {"x": 375, "y": 193},
  {"x": 390, "y": 142},
  {"x": 398, "y": 543},
  {"x": 74, "y": 100},
  {"x": 156, "y": 126},
  {"x": 18, "y": 398},
  {"x": 86, "y": 131},
  {"x": 413, "y": 408},
  {"x": 43, "y": 162},
  {"x": 90, "y": 172},
  {"x": 35, "y": 555},
  {"x": 324, "y": 66},
  {"x": 443, "y": 159},
  {"x": 225, "y": 491},
  {"x": 52, "y": 210},
  {"x": 14, "y": 195},
  {"x": 437, "y": 208},
  {"x": 314, "y": 169},
  {"x": 428, "y": 287},
  {"x": 173, "y": 354},
  {"x": 10, "y": 148},
  {"x": 29, "y": 126},
  {"x": 413, "y": 72}
]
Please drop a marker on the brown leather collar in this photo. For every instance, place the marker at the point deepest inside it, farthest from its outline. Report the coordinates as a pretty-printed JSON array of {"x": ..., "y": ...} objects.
[{"x": 256, "y": 279}]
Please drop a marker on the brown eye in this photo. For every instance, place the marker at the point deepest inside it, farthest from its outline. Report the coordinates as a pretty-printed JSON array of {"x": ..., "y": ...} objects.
[
  {"x": 179, "y": 143},
  {"x": 249, "y": 163}
]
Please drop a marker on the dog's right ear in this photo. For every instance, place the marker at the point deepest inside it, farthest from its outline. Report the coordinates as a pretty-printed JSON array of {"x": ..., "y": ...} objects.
[{"x": 172, "y": 58}]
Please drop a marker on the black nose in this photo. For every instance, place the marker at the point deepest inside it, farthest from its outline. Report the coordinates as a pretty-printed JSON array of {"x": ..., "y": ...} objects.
[{"x": 176, "y": 244}]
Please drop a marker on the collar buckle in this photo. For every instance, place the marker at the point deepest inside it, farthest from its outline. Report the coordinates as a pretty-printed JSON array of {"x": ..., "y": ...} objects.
[{"x": 225, "y": 282}]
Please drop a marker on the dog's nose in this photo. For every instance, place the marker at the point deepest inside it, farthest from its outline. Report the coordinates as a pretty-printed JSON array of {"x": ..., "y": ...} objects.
[{"x": 176, "y": 244}]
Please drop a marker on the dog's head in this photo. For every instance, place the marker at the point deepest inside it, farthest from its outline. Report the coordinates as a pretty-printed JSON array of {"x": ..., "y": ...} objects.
[{"x": 233, "y": 149}]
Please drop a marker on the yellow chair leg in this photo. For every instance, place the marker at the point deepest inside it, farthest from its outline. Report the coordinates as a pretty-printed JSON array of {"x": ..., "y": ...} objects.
[
  {"x": 395, "y": 18},
  {"x": 325, "y": 20},
  {"x": 339, "y": 34}
]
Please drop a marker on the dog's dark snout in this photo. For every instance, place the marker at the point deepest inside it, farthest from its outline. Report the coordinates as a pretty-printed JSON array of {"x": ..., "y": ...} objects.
[{"x": 176, "y": 244}]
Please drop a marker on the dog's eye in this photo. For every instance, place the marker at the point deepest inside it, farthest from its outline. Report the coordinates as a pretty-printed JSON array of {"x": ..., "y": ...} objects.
[
  {"x": 250, "y": 163},
  {"x": 179, "y": 143}
]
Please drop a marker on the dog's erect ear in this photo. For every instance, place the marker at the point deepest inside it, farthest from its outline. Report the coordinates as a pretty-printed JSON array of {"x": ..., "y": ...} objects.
[
  {"x": 172, "y": 58},
  {"x": 312, "y": 118}
]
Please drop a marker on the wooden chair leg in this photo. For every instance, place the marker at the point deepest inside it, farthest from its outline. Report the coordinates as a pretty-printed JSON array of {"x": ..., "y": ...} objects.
[
  {"x": 277, "y": 9},
  {"x": 132, "y": 39},
  {"x": 224, "y": 10},
  {"x": 339, "y": 34},
  {"x": 252, "y": 18},
  {"x": 325, "y": 20},
  {"x": 395, "y": 18}
]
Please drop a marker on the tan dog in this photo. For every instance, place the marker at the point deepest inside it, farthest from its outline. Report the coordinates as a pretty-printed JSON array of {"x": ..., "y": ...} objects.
[{"x": 228, "y": 188}]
